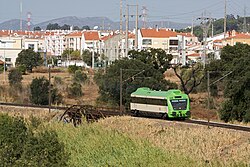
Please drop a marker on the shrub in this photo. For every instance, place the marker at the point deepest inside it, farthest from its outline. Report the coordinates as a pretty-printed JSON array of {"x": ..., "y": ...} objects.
[
  {"x": 15, "y": 77},
  {"x": 75, "y": 90},
  {"x": 40, "y": 92},
  {"x": 20, "y": 146},
  {"x": 79, "y": 76},
  {"x": 72, "y": 69},
  {"x": 22, "y": 69}
]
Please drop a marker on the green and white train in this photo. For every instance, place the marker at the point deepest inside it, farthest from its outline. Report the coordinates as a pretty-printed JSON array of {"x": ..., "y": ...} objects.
[{"x": 171, "y": 104}]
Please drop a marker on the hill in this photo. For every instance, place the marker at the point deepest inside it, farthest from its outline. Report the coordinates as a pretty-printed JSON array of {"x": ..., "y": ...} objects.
[{"x": 14, "y": 24}]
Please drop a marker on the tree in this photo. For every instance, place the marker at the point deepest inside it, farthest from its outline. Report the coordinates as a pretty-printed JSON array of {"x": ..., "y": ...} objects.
[
  {"x": 155, "y": 57},
  {"x": 53, "y": 26},
  {"x": 87, "y": 57},
  {"x": 66, "y": 53},
  {"x": 21, "y": 145},
  {"x": 85, "y": 28},
  {"x": 189, "y": 77},
  {"x": 37, "y": 28},
  {"x": 75, "y": 55},
  {"x": 29, "y": 59},
  {"x": 40, "y": 92},
  {"x": 237, "y": 85},
  {"x": 109, "y": 82},
  {"x": 15, "y": 77},
  {"x": 65, "y": 27}
]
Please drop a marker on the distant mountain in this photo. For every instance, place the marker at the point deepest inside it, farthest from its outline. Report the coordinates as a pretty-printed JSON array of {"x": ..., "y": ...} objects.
[
  {"x": 88, "y": 21},
  {"x": 13, "y": 24}
]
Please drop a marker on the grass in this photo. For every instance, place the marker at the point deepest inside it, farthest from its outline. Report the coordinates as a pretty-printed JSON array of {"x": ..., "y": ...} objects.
[
  {"x": 212, "y": 147},
  {"x": 92, "y": 145}
]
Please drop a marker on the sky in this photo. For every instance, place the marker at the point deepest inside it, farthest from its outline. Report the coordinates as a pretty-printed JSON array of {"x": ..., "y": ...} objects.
[{"x": 182, "y": 11}]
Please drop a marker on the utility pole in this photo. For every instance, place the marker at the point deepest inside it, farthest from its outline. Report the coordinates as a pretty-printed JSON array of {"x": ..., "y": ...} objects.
[
  {"x": 120, "y": 89},
  {"x": 144, "y": 16},
  {"x": 120, "y": 16},
  {"x": 208, "y": 89},
  {"x": 21, "y": 13},
  {"x": 192, "y": 27},
  {"x": 127, "y": 27},
  {"x": 123, "y": 81},
  {"x": 205, "y": 24},
  {"x": 49, "y": 89},
  {"x": 225, "y": 19},
  {"x": 93, "y": 56},
  {"x": 245, "y": 21},
  {"x": 136, "y": 28}
]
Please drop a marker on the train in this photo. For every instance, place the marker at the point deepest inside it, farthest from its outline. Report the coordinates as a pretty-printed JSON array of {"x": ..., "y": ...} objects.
[{"x": 170, "y": 104}]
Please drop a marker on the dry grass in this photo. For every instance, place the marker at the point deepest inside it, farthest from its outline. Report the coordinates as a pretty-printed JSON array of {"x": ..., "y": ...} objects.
[{"x": 214, "y": 146}]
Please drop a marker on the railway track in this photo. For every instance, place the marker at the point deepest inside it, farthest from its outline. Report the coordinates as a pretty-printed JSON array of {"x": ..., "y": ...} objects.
[{"x": 75, "y": 113}]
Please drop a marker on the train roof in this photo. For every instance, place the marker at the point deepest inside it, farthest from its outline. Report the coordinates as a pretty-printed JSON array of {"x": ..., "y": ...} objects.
[{"x": 149, "y": 93}]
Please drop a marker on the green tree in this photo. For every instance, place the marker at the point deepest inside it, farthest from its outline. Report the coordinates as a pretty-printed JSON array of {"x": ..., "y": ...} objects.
[
  {"x": 66, "y": 53},
  {"x": 20, "y": 146},
  {"x": 40, "y": 92},
  {"x": 237, "y": 85},
  {"x": 37, "y": 28},
  {"x": 55, "y": 26},
  {"x": 79, "y": 76},
  {"x": 29, "y": 59},
  {"x": 155, "y": 57},
  {"x": 190, "y": 78},
  {"x": 75, "y": 90},
  {"x": 109, "y": 82},
  {"x": 87, "y": 57},
  {"x": 15, "y": 77}
]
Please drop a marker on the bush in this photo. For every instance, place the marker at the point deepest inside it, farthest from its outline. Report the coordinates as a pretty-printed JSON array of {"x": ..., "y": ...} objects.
[
  {"x": 72, "y": 69},
  {"x": 22, "y": 69},
  {"x": 75, "y": 90},
  {"x": 20, "y": 146},
  {"x": 40, "y": 92},
  {"x": 15, "y": 77},
  {"x": 79, "y": 76}
]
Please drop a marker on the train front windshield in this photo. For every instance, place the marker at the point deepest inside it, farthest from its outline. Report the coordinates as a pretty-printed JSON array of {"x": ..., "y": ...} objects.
[{"x": 179, "y": 104}]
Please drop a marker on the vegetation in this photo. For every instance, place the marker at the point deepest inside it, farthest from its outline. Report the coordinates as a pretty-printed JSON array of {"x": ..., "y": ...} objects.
[
  {"x": 233, "y": 23},
  {"x": 26, "y": 145},
  {"x": 133, "y": 77},
  {"x": 234, "y": 59},
  {"x": 154, "y": 57},
  {"x": 190, "y": 78},
  {"x": 56, "y": 26},
  {"x": 15, "y": 77},
  {"x": 73, "y": 68},
  {"x": 80, "y": 76},
  {"x": 92, "y": 145},
  {"x": 29, "y": 59},
  {"x": 87, "y": 57},
  {"x": 75, "y": 90},
  {"x": 40, "y": 92}
]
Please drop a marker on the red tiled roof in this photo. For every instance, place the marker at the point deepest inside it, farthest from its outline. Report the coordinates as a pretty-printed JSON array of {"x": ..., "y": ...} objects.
[
  {"x": 104, "y": 38},
  {"x": 194, "y": 55},
  {"x": 218, "y": 41},
  {"x": 240, "y": 36},
  {"x": 1, "y": 62},
  {"x": 158, "y": 33},
  {"x": 91, "y": 35},
  {"x": 75, "y": 34}
]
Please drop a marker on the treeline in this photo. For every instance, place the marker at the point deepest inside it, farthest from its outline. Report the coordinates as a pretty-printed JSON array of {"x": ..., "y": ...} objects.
[
  {"x": 233, "y": 23},
  {"x": 56, "y": 26}
]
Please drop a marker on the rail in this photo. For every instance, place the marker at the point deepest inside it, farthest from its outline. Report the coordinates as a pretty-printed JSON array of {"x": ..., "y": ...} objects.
[{"x": 75, "y": 113}]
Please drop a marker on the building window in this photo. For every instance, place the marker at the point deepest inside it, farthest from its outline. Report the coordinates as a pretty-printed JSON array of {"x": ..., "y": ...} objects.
[
  {"x": 7, "y": 59},
  {"x": 31, "y": 46},
  {"x": 147, "y": 42},
  {"x": 173, "y": 42}
]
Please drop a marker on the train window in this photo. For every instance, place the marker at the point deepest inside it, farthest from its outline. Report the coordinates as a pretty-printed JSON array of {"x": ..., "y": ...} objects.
[
  {"x": 149, "y": 101},
  {"x": 179, "y": 104}
]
